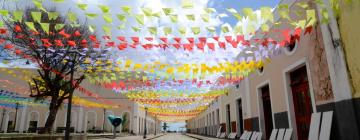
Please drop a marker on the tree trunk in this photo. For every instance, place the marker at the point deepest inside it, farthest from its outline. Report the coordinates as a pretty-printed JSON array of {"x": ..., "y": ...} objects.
[{"x": 50, "y": 119}]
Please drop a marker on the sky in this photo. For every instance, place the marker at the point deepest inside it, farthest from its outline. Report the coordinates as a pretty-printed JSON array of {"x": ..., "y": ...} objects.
[{"x": 170, "y": 56}]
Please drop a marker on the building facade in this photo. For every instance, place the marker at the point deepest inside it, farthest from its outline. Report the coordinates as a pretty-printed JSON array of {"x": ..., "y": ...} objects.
[
  {"x": 27, "y": 118},
  {"x": 309, "y": 75}
]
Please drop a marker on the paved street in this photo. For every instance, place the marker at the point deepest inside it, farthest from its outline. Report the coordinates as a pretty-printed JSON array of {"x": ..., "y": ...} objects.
[{"x": 174, "y": 137}]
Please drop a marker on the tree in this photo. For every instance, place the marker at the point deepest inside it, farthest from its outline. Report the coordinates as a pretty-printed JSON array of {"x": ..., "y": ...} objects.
[{"x": 63, "y": 52}]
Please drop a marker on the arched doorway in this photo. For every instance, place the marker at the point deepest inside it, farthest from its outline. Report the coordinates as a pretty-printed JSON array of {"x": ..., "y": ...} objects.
[
  {"x": 11, "y": 122},
  {"x": 33, "y": 122},
  {"x": 90, "y": 121},
  {"x": 126, "y": 122}
]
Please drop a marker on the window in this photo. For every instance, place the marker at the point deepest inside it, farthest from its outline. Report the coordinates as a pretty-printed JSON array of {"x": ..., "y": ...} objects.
[{"x": 291, "y": 46}]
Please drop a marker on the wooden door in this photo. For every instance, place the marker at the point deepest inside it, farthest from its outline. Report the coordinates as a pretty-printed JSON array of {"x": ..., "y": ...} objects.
[
  {"x": 302, "y": 102},
  {"x": 265, "y": 92},
  {"x": 240, "y": 117}
]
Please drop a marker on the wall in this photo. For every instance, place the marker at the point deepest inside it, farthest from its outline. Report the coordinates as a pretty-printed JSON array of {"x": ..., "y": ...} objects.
[{"x": 349, "y": 21}]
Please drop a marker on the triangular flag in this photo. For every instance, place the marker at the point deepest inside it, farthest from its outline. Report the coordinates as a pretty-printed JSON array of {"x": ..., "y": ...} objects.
[
  {"x": 30, "y": 25},
  {"x": 121, "y": 17},
  {"x": 45, "y": 27},
  {"x": 167, "y": 30},
  {"x": 190, "y": 17},
  {"x": 173, "y": 18},
  {"x": 266, "y": 14},
  {"x": 107, "y": 30},
  {"x": 18, "y": 15},
  {"x": 187, "y": 4},
  {"x": 4, "y": 12},
  {"x": 139, "y": 19},
  {"x": 59, "y": 26},
  {"x": 152, "y": 30},
  {"x": 107, "y": 18},
  {"x": 195, "y": 30},
  {"x": 147, "y": 11},
  {"x": 210, "y": 10},
  {"x": 205, "y": 17},
  {"x": 91, "y": 15},
  {"x": 72, "y": 17},
  {"x": 182, "y": 30},
  {"x": 167, "y": 11},
  {"x": 126, "y": 9},
  {"x": 105, "y": 9},
  {"x": 82, "y": 6},
  {"x": 53, "y": 15},
  {"x": 136, "y": 29},
  {"x": 36, "y": 16},
  {"x": 211, "y": 29}
]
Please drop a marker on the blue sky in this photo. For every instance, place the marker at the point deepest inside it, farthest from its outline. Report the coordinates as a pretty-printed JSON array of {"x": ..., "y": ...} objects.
[{"x": 221, "y": 6}]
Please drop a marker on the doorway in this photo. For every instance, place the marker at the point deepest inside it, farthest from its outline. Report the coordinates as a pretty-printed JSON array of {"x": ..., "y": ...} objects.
[
  {"x": 267, "y": 112},
  {"x": 228, "y": 119},
  {"x": 240, "y": 117},
  {"x": 302, "y": 101}
]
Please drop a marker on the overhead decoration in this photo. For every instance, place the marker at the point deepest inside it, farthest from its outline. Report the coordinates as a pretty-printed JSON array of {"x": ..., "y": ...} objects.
[{"x": 172, "y": 91}]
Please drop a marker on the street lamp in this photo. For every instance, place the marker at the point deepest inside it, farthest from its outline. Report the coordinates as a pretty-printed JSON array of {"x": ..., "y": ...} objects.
[{"x": 145, "y": 129}]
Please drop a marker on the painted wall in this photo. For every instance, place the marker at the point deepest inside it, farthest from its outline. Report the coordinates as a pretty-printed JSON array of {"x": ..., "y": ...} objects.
[{"x": 349, "y": 21}]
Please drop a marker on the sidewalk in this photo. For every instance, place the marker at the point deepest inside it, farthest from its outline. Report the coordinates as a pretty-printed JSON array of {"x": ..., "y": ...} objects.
[
  {"x": 149, "y": 137},
  {"x": 201, "y": 137}
]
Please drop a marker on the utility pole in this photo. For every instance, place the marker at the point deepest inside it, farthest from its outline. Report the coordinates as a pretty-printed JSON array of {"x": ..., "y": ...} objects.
[
  {"x": 2, "y": 119},
  {"x": 104, "y": 121},
  {"x": 145, "y": 129}
]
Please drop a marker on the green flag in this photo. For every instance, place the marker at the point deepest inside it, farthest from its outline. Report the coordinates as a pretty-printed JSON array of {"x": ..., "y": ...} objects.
[
  {"x": 107, "y": 30},
  {"x": 18, "y": 15},
  {"x": 82, "y": 6},
  {"x": 53, "y": 15},
  {"x": 30, "y": 25},
  {"x": 167, "y": 11},
  {"x": 72, "y": 17},
  {"x": 91, "y": 15},
  {"x": 167, "y": 30},
  {"x": 36, "y": 16},
  {"x": 195, "y": 30},
  {"x": 107, "y": 18},
  {"x": 152, "y": 30},
  {"x": 104, "y": 8},
  {"x": 121, "y": 17},
  {"x": 173, "y": 18},
  {"x": 126, "y": 9},
  {"x": 139, "y": 19},
  {"x": 45, "y": 27}
]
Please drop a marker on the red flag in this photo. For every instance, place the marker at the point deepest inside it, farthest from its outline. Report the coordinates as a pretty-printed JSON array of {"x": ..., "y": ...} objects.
[
  {"x": 164, "y": 39},
  {"x": 121, "y": 38},
  {"x": 135, "y": 39},
  {"x": 77, "y": 33},
  {"x": 200, "y": 46},
  {"x": 58, "y": 43},
  {"x": 211, "y": 46},
  {"x": 222, "y": 45},
  {"x": 3, "y": 31},
  {"x": 202, "y": 39},
  {"x": 93, "y": 38},
  {"x": 110, "y": 44},
  {"x": 17, "y": 28},
  {"x": 8, "y": 46},
  {"x": 122, "y": 46},
  {"x": 149, "y": 38},
  {"x": 191, "y": 40},
  {"x": 188, "y": 47},
  {"x": 308, "y": 30},
  {"x": 216, "y": 38},
  {"x": 71, "y": 43},
  {"x": 177, "y": 39},
  {"x": 177, "y": 46}
]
